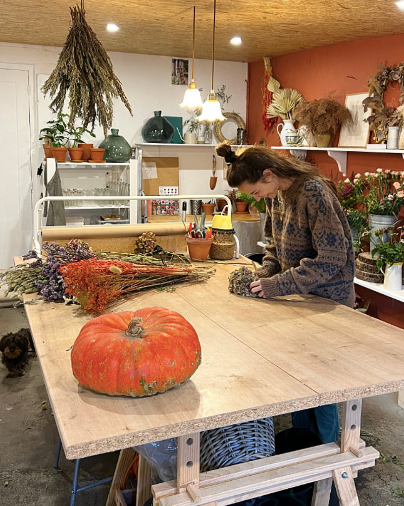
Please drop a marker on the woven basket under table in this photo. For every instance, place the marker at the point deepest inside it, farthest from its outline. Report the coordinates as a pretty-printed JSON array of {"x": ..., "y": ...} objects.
[{"x": 237, "y": 443}]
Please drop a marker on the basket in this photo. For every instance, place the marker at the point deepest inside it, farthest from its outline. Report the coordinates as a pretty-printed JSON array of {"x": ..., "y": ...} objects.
[
  {"x": 223, "y": 245},
  {"x": 236, "y": 444}
]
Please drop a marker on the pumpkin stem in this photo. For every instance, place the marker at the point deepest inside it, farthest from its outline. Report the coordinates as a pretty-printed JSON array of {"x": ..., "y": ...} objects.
[{"x": 135, "y": 329}]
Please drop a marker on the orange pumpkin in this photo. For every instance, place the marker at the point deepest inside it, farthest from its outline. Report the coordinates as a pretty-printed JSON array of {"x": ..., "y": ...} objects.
[{"x": 136, "y": 353}]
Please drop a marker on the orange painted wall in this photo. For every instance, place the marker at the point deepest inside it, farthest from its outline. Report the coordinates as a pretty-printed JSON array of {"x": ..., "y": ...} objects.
[{"x": 341, "y": 69}]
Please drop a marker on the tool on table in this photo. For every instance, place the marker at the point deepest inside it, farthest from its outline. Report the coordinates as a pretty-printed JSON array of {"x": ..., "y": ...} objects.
[
  {"x": 198, "y": 229},
  {"x": 184, "y": 211},
  {"x": 213, "y": 178}
]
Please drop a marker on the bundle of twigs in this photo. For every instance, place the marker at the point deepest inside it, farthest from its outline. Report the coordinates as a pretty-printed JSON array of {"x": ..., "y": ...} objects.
[
  {"x": 95, "y": 283},
  {"x": 84, "y": 70}
]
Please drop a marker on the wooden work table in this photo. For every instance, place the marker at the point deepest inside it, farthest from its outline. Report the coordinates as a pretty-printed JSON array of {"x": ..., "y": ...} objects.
[{"x": 259, "y": 358}]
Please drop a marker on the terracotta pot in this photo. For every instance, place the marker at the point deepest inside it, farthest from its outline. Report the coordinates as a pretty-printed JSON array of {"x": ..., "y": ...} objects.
[
  {"x": 208, "y": 208},
  {"x": 241, "y": 207},
  {"x": 220, "y": 204},
  {"x": 323, "y": 140},
  {"x": 86, "y": 151},
  {"x": 47, "y": 148},
  {"x": 97, "y": 154},
  {"x": 59, "y": 154},
  {"x": 198, "y": 248},
  {"x": 76, "y": 154}
]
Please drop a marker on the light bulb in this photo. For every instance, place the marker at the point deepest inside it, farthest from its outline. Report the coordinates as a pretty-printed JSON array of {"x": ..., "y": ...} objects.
[
  {"x": 236, "y": 41},
  {"x": 111, "y": 27}
]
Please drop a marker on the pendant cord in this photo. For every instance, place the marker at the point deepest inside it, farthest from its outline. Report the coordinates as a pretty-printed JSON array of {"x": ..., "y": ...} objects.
[
  {"x": 193, "y": 47},
  {"x": 213, "y": 45}
]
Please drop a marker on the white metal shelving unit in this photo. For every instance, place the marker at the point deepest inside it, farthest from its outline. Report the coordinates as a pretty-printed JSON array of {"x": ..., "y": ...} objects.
[{"x": 340, "y": 155}]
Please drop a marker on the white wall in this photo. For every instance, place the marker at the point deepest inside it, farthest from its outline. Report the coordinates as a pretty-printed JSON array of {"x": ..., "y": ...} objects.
[{"x": 146, "y": 81}]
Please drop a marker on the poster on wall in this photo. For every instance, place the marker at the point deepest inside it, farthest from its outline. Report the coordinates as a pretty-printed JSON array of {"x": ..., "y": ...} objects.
[
  {"x": 179, "y": 72},
  {"x": 355, "y": 135}
]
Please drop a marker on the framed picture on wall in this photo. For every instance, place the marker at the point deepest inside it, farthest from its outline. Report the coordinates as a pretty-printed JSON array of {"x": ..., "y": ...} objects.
[
  {"x": 355, "y": 135},
  {"x": 179, "y": 72}
]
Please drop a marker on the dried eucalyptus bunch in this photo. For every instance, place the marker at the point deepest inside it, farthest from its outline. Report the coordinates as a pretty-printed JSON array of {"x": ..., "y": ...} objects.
[
  {"x": 84, "y": 71},
  {"x": 239, "y": 282}
]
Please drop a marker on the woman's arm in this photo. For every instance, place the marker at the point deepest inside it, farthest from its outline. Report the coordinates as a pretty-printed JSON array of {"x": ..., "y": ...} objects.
[
  {"x": 270, "y": 262},
  {"x": 324, "y": 217}
]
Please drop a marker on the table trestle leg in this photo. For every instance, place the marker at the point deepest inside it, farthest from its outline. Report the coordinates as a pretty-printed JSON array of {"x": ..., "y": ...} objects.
[
  {"x": 345, "y": 486},
  {"x": 143, "y": 490},
  {"x": 188, "y": 463},
  {"x": 322, "y": 492}
]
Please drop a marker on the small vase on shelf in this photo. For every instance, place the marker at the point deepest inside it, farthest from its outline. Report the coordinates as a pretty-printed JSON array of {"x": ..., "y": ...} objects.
[
  {"x": 392, "y": 137},
  {"x": 323, "y": 140},
  {"x": 117, "y": 148},
  {"x": 158, "y": 129},
  {"x": 286, "y": 128}
]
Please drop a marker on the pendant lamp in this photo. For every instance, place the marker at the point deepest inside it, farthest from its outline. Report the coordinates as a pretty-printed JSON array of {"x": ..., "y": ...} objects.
[
  {"x": 192, "y": 97},
  {"x": 211, "y": 108}
]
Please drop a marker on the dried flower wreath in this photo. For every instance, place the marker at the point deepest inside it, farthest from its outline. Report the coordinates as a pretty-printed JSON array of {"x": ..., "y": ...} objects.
[{"x": 382, "y": 117}]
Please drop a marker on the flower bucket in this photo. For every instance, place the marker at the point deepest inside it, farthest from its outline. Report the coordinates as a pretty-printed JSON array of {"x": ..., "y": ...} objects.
[
  {"x": 198, "y": 248},
  {"x": 377, "y": 222},
  {"x": 393, "y": 277}
]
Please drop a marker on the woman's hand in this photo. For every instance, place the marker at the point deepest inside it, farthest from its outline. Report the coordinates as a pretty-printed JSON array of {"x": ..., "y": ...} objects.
[{"x": 256, "y": 287}]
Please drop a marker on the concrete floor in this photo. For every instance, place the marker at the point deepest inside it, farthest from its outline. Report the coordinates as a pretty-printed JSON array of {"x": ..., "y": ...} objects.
[{"x": 28, "y": 440}]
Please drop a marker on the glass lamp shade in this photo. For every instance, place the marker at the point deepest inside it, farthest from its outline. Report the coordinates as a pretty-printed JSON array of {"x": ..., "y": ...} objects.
[
  {"x": 192, "y": 97},
  {"x": 211, "y": 110}
]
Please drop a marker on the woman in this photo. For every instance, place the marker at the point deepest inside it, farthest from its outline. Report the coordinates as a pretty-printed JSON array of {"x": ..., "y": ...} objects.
[{"x": 310, "y": 246}]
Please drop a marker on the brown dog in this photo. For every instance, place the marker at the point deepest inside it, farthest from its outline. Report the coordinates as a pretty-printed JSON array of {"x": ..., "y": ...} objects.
[{"x": 14, "y": 347}]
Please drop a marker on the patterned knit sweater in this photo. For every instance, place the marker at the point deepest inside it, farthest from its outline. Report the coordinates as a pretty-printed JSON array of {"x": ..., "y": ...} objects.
[{"x": 310, "y": 249}]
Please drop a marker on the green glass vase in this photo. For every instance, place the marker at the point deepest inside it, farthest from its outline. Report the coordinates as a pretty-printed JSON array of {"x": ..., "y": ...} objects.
[
  {"x": 117, "y": 148},
  {"x": 157, "y": 129}
]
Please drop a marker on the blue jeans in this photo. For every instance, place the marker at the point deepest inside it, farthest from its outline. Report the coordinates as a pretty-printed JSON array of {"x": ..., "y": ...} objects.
[{"x": 323, "y": 421}]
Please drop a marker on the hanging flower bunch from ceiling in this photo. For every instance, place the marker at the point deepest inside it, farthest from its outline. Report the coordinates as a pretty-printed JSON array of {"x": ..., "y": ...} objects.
[
  {"x": 84, "y": 71},
  {"x": 267, "y": 95}
]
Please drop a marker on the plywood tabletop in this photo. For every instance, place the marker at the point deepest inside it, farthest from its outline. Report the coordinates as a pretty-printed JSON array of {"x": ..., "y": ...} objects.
[{"x": 259, "y": 358}]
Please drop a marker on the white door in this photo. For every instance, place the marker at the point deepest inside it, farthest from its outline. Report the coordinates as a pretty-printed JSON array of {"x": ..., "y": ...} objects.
[{"x": 15, "y": 167}]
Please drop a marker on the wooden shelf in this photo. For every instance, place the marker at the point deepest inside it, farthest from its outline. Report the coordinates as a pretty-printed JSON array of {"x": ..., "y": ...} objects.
[
  {"x": 340, "y": 155},
  {"x": 379, "y": 288}
]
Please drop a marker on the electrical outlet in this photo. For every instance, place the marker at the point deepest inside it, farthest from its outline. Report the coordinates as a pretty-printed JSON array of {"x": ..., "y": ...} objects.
[{"x": 168, "y": 191}]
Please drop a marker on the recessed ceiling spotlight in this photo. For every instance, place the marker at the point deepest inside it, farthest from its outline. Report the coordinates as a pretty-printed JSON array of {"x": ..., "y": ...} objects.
[
  {"x": 236, "y": 41},
  {"x": 111, "y": 27},
  {"x": 400, "y": 4}
]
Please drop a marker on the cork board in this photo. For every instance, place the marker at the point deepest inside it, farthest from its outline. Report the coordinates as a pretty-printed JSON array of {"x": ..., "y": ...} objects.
[{"x": 165, "y": 173}]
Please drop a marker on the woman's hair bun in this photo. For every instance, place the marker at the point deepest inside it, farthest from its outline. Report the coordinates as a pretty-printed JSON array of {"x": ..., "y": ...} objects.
[{"x": 224, "y": 150}]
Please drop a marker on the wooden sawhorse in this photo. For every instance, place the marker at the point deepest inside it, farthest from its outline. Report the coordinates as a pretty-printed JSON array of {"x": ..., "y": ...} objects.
[{"x": 321, "y": 464}]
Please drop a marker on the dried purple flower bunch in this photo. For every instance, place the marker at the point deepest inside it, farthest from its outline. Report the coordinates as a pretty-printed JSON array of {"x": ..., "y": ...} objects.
[{"x": 239, "y": 282}]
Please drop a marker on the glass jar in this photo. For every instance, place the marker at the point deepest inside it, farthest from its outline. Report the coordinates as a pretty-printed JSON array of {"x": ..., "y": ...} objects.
[
  {"x": 117, "y": 148},
  {"x": 158, "y": 129}
]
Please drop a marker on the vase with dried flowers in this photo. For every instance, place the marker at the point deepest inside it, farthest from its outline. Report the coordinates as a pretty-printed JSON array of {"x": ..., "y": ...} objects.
[
  {"x": 284, "y": 101},
  {"x": 323, "y": 117}
]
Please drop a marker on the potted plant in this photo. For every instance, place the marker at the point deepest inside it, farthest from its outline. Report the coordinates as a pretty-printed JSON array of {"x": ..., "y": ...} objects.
[
  {"x": 323, "y": 117},
  {"x": 261, "y": 207},
  {"x": 390, "y": 256},
  {"x": 56, "y": 135},
  {"x": 192, "y": 124},
  {"x": 350, "y": 195},
  {"x": 75, "y": 137}
]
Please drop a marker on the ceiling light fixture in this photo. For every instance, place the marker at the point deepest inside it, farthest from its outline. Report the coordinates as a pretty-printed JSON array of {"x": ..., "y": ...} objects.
[
  {"x": 111, "y": 27},
  {"x": 211, "y": 108},
  {"x": 192, "y": 97},
  {"x": 400, "y": 4},
  {"x": 236, "y": 41}
]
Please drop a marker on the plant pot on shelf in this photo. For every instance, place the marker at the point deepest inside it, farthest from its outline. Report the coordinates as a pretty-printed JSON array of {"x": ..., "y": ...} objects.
[
  {"x": 97, "y": 155},
  {"x": 323, "y": 140},
  {"x": 59, "y": 154},
  {"x": 208, "y": 208},
  {"x": 76, "y": 154},
  {"x": 241, "y": 207},
  {"x": 393, "y": 277},
  {"x": 86, "y": 151},
  {"x": 377, "y": 222},
  {"x": 198, "y": 248},
  {"x": 220, "y": 203},
  {"x": 47, "y": 148}
]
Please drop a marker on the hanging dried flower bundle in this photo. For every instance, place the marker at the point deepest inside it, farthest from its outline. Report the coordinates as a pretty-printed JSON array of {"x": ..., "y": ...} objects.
[
  {"x": 84, "y": 71},
  {"x": 267, "y": 94}
]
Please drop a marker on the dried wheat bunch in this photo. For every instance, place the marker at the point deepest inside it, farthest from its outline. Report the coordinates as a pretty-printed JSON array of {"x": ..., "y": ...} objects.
[{"x": 84, "y": 70}]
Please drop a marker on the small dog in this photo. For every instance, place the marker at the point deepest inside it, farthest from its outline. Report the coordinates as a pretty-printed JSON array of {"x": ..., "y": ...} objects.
[{"x": 14, "y": 347}]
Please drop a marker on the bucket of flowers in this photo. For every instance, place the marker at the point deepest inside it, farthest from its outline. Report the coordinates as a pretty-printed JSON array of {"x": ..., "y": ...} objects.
[
  {"x": 389, "y": 256},
  {"x": 350, "y": 194}
]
